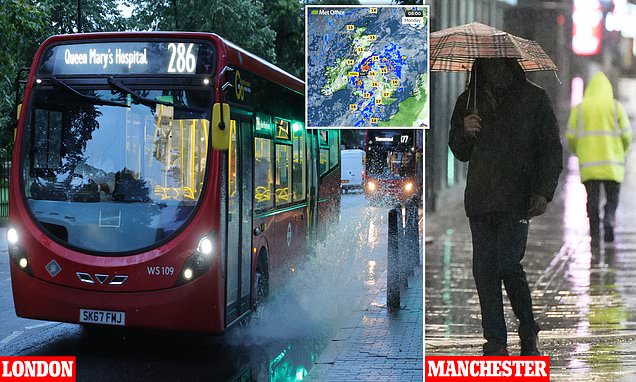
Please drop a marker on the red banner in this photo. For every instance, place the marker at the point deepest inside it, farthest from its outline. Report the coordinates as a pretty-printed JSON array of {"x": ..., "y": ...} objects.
[
  {"x": 41, "y": 369},
  {"x": 455, "y": 369}
]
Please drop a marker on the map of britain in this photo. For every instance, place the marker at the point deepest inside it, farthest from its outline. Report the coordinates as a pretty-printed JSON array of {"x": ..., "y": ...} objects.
[{"x": 367, "y": 67}]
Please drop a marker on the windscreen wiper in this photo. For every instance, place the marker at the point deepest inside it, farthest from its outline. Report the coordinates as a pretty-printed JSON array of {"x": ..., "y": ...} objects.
[
  {"x": 94, "y": 99},
  {"x": 136, "y": 96}
]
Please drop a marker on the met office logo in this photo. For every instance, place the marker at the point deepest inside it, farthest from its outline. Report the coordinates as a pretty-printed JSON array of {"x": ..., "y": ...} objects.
[{"x": 37, "y": 368}]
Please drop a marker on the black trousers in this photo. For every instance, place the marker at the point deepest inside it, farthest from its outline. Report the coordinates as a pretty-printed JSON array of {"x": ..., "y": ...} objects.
[
  {"x": 499, "y": 243},
  {"x": 593, "y": 188}
]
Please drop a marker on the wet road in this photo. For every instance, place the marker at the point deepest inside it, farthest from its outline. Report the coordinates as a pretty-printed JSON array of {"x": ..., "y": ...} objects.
[
  {"x": 279, "y": 345},
  {"x": 584, "y": 300}
]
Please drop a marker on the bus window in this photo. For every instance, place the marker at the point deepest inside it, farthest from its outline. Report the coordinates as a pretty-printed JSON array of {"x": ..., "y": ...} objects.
[
  {"x": 334, "y": 148},
  {"x": 282, "y": 129},
  {"x": 299, "y": 176},
  {"x": 180, "y": 145},
  {"x": 232, "y": 170},
  {"x": 263, "y": 174},
  {"x": 324, "y": 160},
  {"x": 283, "y": 174}
]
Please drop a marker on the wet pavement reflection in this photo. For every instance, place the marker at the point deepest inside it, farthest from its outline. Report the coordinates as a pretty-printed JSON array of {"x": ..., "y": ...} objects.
[{"x": 584, "y": 298}]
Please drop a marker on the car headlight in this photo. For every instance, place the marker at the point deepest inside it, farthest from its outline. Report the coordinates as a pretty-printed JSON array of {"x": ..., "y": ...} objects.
[
  {"x": 408, "y": 187},
  {"x": 371, "y": 186}
]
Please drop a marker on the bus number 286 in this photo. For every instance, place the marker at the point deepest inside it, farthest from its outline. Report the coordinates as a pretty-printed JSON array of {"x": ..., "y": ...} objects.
[
  {"x": 160, "y": 271},
  {"x": 181, "y": 58}
]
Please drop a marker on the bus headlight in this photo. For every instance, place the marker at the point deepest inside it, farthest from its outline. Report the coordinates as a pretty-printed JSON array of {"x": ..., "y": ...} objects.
[
  {"x": 187, "y": 274},
  {"x": 408, "y": 187},
  {"x": 199, "y": 262},
  {"x": 12, "y": 236},
  {"x": 17, "y": 254},
  {"x": 371, "y": 186},
  {"x": 205, "y": 246}
]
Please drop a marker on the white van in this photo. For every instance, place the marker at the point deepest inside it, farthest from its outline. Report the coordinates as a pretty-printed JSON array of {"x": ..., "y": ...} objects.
[{"x": 352, "y": 169}]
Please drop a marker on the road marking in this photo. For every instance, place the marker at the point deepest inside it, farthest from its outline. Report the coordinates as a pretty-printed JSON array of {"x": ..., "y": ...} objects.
[
  {"x": 11, "y": 337},
  {"x": 40, "y": 325}
]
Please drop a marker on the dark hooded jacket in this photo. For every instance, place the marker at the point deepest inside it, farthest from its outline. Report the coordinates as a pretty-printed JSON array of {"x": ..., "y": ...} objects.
[{"x": 517, "y": 152}]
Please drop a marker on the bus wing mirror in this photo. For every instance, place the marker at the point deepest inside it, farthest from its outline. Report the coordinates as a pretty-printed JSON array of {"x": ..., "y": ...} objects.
[{"x": 220, "y": 126}]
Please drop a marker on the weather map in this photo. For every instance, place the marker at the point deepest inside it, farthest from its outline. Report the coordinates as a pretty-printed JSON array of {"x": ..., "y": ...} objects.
[{"x": 367, "y": 66}]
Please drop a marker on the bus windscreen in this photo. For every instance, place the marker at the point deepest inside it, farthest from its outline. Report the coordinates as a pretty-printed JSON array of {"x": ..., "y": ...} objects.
[
  {"x": 107, "y": 174},
  {"x": 390, "y": 153}
]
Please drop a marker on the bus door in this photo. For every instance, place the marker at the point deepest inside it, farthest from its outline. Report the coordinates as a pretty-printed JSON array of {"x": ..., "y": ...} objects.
[
  {"x": 312, "y": 183},
  {"x": 239, "y": 217}
]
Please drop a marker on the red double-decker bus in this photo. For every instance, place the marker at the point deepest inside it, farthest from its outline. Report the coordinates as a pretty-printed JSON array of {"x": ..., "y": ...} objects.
[
  {"x": 161, "y": 180},
  {"x": 394, "y": 167}
]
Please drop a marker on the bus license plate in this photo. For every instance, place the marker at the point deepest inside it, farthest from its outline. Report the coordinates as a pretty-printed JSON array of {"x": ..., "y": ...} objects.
[
  {"x": 344, "y": 181},
  {"x": 102, "y": 317}
]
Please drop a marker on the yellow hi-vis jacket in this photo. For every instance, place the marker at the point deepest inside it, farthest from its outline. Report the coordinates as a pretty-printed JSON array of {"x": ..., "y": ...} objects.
[{"x": 599, "y": 132}]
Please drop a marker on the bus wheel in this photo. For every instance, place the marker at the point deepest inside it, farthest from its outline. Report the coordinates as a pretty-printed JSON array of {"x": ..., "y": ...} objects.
[{"x": 261, "y": 280}]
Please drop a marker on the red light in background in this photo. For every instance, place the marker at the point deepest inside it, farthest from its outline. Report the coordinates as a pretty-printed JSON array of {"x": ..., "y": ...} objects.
[
  {"x": 560, "y": 20},
  {"x": 587, "y": 27}
]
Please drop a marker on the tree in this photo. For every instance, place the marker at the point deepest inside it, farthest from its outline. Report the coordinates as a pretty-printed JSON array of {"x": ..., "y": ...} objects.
[
  {"x": 96, "y": 16},
  {"x": 243, "y": 22},
  {"x": 286, "y": 18},
  {"x": 22, "y": 27}
]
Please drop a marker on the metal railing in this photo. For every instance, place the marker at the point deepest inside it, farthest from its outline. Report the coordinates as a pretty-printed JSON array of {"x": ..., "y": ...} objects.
[{"x": 5, "y": 169}]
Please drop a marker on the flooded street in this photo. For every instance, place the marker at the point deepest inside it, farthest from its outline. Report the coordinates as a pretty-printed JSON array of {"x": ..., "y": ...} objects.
[{"x": 281, "y": 343}]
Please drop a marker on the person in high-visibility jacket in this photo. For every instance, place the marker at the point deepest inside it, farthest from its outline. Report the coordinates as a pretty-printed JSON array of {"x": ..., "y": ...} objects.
[{"x": 599, "y": 133}]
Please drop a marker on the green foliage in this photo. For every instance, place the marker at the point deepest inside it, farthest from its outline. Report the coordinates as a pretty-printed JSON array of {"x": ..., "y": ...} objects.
[
  {"x": 286, "y": 17},
  {"x": 22, "y": 27},
  {"x": 96, "y": 16},
  {"x": 241, "y": 21}
]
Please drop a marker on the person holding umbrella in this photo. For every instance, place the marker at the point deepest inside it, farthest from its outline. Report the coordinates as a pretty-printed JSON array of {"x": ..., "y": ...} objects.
[
  {"x": 505, "y": 127},
  {"x": 599, "y": 134}
]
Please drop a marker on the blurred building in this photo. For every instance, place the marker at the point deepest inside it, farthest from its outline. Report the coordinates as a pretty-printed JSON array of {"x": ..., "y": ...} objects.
[{"x": 547, "y": 22}]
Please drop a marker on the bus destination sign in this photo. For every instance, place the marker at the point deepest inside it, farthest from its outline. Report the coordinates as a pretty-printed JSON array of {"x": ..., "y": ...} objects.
[{"x": 128, "y": 58}]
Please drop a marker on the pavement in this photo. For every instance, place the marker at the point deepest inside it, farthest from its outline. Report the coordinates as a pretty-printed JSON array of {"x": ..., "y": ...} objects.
[
  {"x": 375, "y": 344},
  {"x": 584, "y": 300}
]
